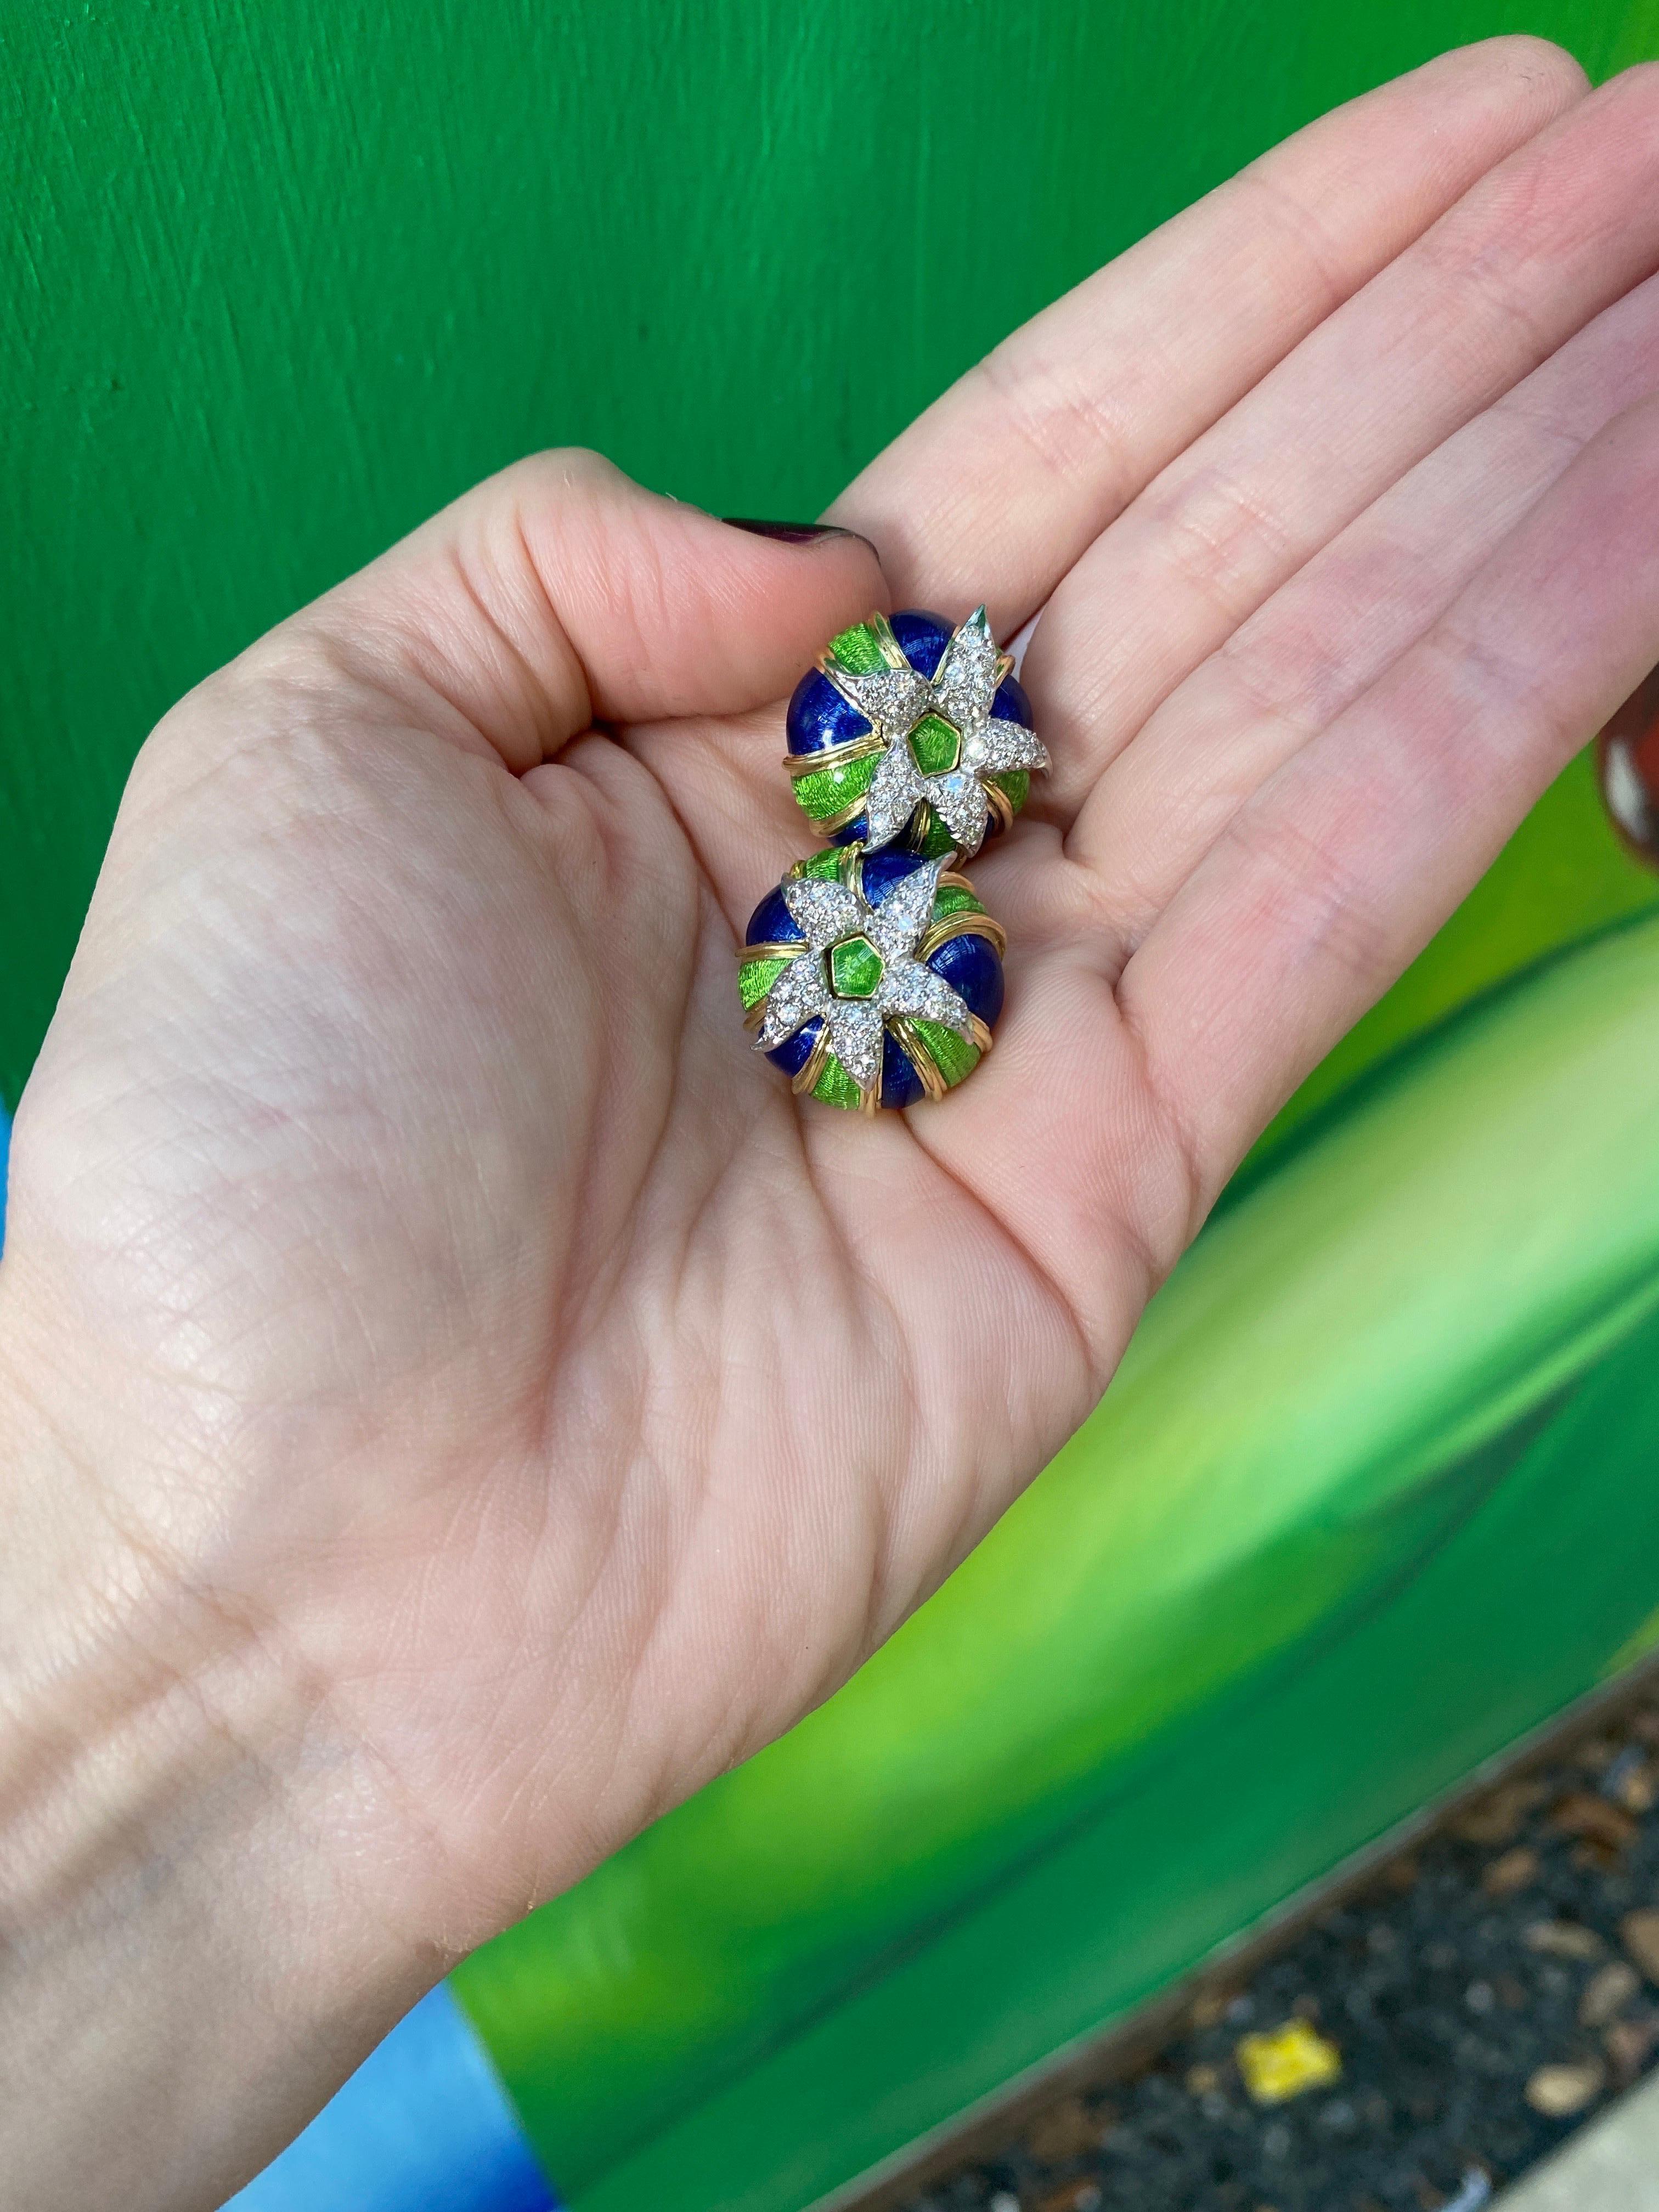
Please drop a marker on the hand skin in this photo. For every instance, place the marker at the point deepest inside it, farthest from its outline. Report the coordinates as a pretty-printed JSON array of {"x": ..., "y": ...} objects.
[{"x": 453, "y": 1399}]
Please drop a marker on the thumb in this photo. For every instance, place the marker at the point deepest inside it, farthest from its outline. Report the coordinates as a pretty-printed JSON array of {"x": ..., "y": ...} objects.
[{"x": 559, "y": 593}]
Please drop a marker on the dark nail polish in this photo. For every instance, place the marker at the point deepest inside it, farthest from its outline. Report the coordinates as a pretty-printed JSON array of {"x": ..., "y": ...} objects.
[
  {"x": 1627, "y": 758},
  {"x": 793, "y": 533}
]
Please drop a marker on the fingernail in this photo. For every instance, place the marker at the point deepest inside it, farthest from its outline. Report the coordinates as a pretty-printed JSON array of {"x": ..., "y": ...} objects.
[{"x": 794, "y": 533}]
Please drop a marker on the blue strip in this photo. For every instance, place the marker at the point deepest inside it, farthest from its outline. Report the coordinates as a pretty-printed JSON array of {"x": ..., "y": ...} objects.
[
  {"x": 423, "y": 2125},
  {"x": 5, "y": 1148}
]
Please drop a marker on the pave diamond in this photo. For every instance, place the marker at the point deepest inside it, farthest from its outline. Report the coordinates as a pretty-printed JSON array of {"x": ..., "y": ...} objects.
[
  {"x": 941, "y": 741},
  {"x": 915, "y": 990},
  {"x": 821, "y": 910},
  {"x": 896, "y": 789},
  {"x": 892, "y": 697},
  {"x": 970, "y": 672},
  {"x": 800, "y": 993},
  {"x": 855, "y": 1038},
  {"x": 1001, "y": 747},
  {"x": 896, "y": 925},
  {"x": 959, "y": 801}
]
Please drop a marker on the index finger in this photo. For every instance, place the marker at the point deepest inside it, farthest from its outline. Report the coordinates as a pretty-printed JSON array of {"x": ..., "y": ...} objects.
[{"x": 997, "y": 489}]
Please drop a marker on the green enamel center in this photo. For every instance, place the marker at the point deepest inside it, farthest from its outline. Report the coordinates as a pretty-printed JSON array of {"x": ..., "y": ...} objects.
[
  {"x": 935, "y": 745},
  {"x": 854, "y": 968}
]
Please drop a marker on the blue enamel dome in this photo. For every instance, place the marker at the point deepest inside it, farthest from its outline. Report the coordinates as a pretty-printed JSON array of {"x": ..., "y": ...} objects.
[
  {"x": 1011, "y": 705},
  {"x": 772, "y": 923},
  {"x": 901, "y": 1085},
  {"x": 922, "y": 637},
  {"x": 884, "y": 869},
  {"x": 819, "y": 716},
  {"x": 792, "y": 1054},
  {"x": 969, "y": 965}
]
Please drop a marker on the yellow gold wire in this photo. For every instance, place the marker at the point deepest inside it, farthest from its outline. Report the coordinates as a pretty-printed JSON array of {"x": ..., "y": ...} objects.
[
  {"x": 806, "y": 1075},
  {"x": 933, "y": 1083},
  {"x": 828, "y": 823},
  {"x": 886, "y": 644},
  {"x": 964, "y": 923},
  {"x": 854, "y": 749}
]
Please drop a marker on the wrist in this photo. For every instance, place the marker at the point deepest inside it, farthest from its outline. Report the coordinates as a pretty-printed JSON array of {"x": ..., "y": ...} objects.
[{"x": 189, "y": 1846}]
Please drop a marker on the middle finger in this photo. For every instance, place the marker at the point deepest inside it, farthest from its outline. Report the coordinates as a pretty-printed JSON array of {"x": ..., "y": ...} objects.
[
  {"x": 1340, "y": 621},
  {"x": 1557, "y": 232}
]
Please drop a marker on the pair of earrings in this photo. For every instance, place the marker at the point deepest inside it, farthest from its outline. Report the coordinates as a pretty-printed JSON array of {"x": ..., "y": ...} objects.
[{"x": 872, "y": 973}]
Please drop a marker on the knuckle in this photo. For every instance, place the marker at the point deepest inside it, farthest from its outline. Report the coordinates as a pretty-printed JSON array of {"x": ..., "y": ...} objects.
[
  {"x": 1304, "y": 893},
  {"x": 1069, "y": 424},
  {"x": 1219, "y": 537}
]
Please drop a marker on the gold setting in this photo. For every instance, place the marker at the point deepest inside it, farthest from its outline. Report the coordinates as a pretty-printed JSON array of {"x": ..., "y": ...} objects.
[
  {"x": 827, "y": 824},
  {"x": 965, "y": 922},
  {"x": 933, "y": 1083},
  {"x": 841, "y": 756},
  {"x": 1001, "y": 804}
]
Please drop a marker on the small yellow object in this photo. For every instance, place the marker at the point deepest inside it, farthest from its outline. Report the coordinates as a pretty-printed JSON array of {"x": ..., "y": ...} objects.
[{"x": 1285, "y": 2061}]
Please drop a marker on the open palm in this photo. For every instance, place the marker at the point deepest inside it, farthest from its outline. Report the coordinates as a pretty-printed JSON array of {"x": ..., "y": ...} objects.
[{"x": 471, "y": 1354}]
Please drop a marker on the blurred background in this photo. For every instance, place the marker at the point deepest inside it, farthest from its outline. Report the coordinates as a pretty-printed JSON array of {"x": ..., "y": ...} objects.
[{"x": 1371, "y": 1501}]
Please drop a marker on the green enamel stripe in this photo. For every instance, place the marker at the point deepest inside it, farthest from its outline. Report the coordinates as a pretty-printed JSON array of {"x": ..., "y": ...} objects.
[
  {"x": 936, "y": 840},
  {"x": 825, "y": 865},
  {"x": 952, "y": 1055},
  {"x": 953, "y": 899},
  {"x": 1015, "y": 786},
  {"x": 857, "y": 649},
  {"x": 826, "y": 790},
  {"x": 835, "y": 1087},
  {"x": 756, "y": 978}
]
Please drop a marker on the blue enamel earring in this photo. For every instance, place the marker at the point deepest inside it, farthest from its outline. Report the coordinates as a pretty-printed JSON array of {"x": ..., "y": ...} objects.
[{"x": 872, "y": 975}]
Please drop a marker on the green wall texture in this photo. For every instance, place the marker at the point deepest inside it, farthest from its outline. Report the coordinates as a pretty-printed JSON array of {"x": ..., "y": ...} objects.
[{"x": 287, "y": 274}]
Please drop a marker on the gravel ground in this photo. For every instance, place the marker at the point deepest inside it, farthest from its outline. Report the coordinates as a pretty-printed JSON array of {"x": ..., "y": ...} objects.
[{"x": 1484, "y": 1997}]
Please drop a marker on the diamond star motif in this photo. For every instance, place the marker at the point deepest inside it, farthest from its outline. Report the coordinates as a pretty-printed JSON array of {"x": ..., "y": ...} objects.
[
  {"x": 830, "y": 913},
  {"x": 895, "y": 700}
]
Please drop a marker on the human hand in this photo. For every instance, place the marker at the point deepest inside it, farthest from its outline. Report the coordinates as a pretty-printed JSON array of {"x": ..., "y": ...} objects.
[{"x": 458, "y": 1399}]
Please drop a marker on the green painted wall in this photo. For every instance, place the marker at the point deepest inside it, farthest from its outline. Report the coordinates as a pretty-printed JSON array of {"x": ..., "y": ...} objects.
[{"x": 286, "y": 274}]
